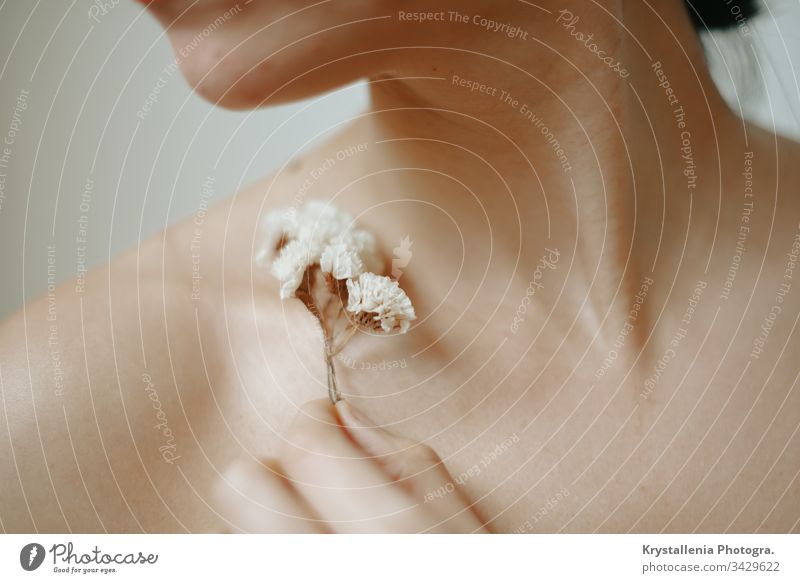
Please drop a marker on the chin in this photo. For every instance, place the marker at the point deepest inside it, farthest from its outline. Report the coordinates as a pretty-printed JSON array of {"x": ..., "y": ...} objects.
[
  {"x": 235, "y": 80},
  {"x": 232, "y": 89},
  {"x": 231, "y": 59}
]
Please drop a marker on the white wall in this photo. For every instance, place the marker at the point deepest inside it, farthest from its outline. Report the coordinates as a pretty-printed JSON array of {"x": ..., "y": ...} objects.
[{"x": 87, "y": 80}]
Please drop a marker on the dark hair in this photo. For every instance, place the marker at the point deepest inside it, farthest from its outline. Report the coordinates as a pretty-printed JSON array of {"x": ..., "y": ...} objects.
[{"x": 718, "y": 14}]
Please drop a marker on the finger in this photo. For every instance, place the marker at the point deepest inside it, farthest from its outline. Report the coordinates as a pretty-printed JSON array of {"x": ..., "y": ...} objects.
[
  {"x": 257, "y": 498},
  {"x": 346, "y": 488},
  {"x": 414, "y": 465}
]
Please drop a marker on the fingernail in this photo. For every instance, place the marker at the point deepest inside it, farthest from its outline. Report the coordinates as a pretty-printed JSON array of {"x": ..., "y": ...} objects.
[
  {"x": 354, "y": 417},
  {"x": 372, "y": 437}
]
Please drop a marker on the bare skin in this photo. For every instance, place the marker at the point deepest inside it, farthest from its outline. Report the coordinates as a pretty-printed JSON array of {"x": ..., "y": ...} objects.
[{"x": 560, "y": 407}]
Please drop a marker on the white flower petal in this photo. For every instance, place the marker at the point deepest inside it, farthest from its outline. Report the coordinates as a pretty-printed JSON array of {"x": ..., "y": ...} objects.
[
  {"x": 341, "y": 260},
  {"x": 320, "y": 220},
  {"x": 379, "y": 299},
  {"x": 290, "y": 266},
  {"x": 314, "y": 221},
  {"x": 274, "y": 227}
]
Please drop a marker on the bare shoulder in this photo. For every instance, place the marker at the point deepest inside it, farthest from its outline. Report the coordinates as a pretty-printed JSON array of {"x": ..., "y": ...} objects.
[{"x": 126, "y": 393}]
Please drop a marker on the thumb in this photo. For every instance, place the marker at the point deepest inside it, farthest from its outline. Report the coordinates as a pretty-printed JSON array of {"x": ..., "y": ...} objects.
[{"x": 413, "y": 465}]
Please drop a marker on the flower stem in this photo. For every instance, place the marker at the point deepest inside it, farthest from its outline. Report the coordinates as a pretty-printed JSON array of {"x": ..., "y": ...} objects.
[
  {"x": 341, "y": 339},
  {"x": 333, "y": 390}
]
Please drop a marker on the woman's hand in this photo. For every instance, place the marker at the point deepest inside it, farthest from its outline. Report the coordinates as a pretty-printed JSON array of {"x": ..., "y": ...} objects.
[{"x": 338, "y": 472}]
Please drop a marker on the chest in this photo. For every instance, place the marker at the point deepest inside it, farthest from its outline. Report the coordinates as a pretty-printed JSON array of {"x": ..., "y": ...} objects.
[
  {"x": 694, "y": 436},
  {"x": 556, "y": 428}
]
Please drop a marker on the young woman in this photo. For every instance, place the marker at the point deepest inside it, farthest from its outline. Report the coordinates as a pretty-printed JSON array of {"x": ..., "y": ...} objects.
[{"x": 601, "y": 254}]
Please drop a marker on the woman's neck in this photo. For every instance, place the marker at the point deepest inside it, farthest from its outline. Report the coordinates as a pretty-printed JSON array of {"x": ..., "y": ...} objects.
[{"x": 561, "y": 147}]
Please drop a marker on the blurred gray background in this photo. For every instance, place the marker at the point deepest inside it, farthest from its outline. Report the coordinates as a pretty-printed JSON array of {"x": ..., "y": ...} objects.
[{"x": 73, "y": 77}]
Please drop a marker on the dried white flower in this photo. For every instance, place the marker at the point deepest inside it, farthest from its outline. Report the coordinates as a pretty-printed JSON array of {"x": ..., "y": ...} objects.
[
  {"x": 378, "y": 302},
  {"x": 318, "y": 224},
  {"x": 320, "y": 221},
  {"x": 341, "y": 260},
  {"x": 274, "y": 227},
  {"x": 350, "y": 254},
  {"x": 294, "y": 259},
  {"x": 318, "y": 247}
]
